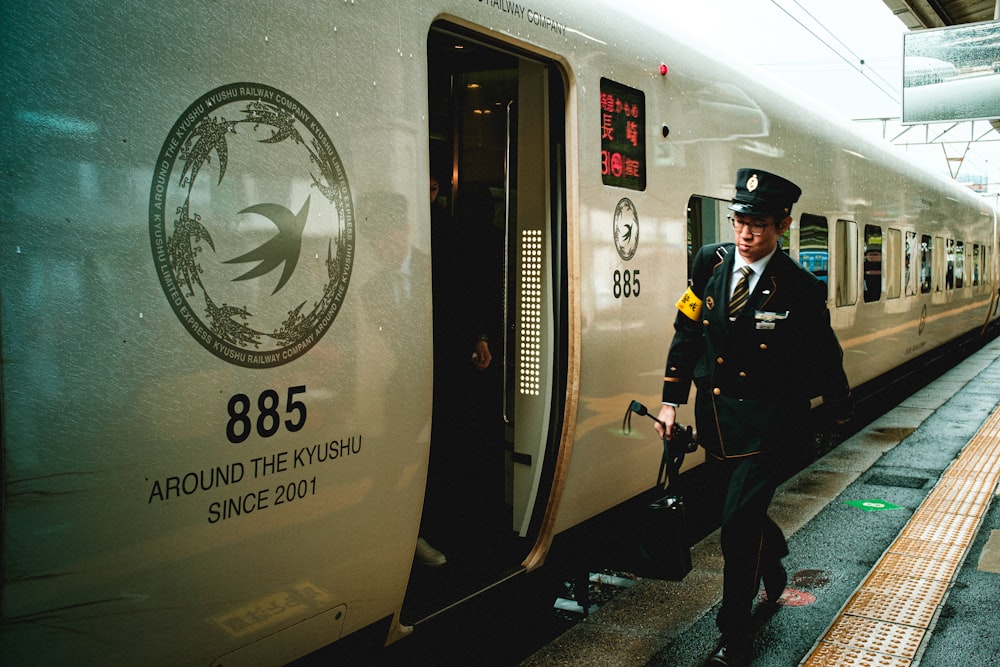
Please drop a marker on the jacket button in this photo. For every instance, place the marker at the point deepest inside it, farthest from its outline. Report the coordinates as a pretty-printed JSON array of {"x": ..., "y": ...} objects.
[
  {"x": 763, "y": 346},
  {"x": 716, "y": 391},
  {"x": 743, "y": 374},
  {"x": 720, "y": 360},
  {"x": 705, "y": 322}
]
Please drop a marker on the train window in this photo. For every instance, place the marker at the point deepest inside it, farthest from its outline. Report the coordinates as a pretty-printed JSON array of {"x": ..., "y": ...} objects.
[
  {"x": 910, "y": 264},
  {"x": 925, "y": 264},
  {"x": 959, "y": 264},
  {"x": 847, "y": 263},
  {"x": 938, "y": 258},
  {"x": 975, "y": 264},
  {"x": 873, "y": 263},
  {"x": 891, "y": 262},
  {"x": 706, "y": 223},
  {"x": 814, "y": 246},
  {"x": 623, "y": 136},
  {"x": 949, "y": 272}
]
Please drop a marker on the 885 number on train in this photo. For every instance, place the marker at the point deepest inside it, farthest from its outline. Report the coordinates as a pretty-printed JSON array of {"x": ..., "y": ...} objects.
[{"x": 625, "y": 284}]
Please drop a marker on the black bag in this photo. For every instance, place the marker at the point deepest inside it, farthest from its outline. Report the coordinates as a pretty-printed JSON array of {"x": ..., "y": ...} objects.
[{"x": 663, "y": 550}]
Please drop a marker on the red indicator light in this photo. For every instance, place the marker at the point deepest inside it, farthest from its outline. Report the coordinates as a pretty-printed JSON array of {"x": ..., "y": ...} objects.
[{"x": 663, "y": 69}]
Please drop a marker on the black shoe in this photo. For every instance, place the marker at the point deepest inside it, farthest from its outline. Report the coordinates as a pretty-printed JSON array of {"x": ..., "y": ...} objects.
[
  {"x": 730, "y": 654},
  {"x": 775, "y": 579}
]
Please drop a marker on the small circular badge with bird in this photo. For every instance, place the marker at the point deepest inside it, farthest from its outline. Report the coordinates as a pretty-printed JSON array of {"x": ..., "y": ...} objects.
[{"x": 626, "y": 229}]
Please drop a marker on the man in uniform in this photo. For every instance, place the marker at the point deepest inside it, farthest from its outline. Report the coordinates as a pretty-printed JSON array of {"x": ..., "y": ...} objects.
[{"x": 753, "y": 332}]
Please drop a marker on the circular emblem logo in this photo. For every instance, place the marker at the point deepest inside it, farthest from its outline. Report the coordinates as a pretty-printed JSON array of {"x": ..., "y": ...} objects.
[
  {"x": 626, "y": 229},
  {"x": 251, "y": 225},
  {"x": 752, "y": 183}
]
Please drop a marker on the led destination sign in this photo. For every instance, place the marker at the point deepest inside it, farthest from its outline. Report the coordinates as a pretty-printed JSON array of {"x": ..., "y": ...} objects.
[{"x": 623, "y": 136}]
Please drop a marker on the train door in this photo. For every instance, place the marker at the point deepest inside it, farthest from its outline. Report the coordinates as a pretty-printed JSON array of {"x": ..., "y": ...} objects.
[
  {"x": 495, "y": 129},
  {"x": 530, "y": 379}
]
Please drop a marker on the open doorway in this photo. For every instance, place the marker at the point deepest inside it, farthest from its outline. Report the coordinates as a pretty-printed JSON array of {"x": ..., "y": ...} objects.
[{"x": 496, "y": 249}]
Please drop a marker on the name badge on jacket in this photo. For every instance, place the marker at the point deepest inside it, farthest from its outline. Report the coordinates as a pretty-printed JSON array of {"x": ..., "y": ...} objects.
[{"x": 766, "y": 319}]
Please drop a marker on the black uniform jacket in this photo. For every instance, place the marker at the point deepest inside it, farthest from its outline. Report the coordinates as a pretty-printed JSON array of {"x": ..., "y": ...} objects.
[{"x": 754, "y": 375}]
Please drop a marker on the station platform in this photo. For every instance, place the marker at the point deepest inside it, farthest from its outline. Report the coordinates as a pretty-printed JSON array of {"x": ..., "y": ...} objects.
[{"x": 895, "y": 553}]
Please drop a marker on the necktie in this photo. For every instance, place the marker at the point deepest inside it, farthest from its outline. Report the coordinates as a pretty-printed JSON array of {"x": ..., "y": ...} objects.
[{"x": 741, "y": 292}]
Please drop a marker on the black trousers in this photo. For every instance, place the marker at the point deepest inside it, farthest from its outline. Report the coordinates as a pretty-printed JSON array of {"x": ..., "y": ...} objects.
[{"x": 751, "y": 541}]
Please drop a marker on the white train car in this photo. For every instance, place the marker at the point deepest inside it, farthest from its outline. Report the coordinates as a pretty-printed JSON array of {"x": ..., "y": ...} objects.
[{"x": 218, "y": 306}]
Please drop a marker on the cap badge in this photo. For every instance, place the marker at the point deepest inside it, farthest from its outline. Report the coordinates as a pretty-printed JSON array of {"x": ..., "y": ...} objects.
[{"x": 752, "y": 183}]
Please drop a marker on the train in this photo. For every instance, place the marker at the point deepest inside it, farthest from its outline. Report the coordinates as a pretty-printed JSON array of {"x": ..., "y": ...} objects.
[{"x": 187, "y": 484}]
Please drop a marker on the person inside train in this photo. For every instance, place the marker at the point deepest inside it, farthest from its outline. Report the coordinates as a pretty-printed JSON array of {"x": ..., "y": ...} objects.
[
  {"x": 753, "y": 333},
  {"x": 481, "y": 326},
  {"x": 466, "y": 461}
]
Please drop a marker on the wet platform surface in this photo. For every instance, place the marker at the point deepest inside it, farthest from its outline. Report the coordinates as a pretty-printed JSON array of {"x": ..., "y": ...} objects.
[{"x": 895, "y": 552}]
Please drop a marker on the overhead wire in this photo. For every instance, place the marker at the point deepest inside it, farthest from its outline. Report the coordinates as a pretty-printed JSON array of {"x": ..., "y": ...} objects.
[
  {"x": 883, "y": 85},
  {"x": 841, "y": 42}
]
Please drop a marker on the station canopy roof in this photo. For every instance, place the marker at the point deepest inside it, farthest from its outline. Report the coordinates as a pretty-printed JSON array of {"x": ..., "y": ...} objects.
[{"x": 920, "y": 14}]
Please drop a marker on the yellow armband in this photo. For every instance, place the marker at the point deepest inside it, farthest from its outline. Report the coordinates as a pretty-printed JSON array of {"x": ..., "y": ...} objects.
[{"x": 690, "y": 305}]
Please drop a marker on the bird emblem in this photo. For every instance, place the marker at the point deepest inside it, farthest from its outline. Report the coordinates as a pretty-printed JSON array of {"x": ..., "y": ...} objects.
[
  {"x": 284, "y": 248},
  {"x": 626, "y": 229},
  {"x": 626, "y": 234}
]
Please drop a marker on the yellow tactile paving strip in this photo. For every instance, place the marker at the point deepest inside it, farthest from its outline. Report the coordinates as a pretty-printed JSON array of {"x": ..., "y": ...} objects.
[{"x": 886, "y": 620}]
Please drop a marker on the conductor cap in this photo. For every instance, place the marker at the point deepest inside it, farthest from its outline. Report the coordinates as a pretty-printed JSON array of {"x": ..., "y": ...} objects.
[{"x": 762, "y": 193}]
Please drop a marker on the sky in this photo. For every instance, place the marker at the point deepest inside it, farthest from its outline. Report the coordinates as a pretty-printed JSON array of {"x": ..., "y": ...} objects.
[{"x": 847, "y": 54}]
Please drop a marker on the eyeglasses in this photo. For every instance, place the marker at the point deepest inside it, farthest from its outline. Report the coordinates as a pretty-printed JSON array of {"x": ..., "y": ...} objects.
[{"x": 756, "y": 228}]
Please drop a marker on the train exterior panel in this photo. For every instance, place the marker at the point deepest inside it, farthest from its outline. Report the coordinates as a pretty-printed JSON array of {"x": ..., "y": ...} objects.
[{"x": 220, "y": 375}]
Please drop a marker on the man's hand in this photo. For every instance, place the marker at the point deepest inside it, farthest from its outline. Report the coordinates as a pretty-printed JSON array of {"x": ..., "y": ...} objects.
[
  {"x": 481, "y": 358},
  {"x": 665, "y": 425}
]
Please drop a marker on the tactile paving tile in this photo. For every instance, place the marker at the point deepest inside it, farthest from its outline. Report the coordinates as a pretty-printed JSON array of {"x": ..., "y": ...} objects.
[
  {"x": 965, "y": 484},
  {"x": 834, "y": 655},
  {"x": 954, "y": 504},
  {"x": 979, "y": 460},
  {"x": 901, "y": 584},
  {"x": 951, "y": 528},
  {"x": 875, "y": 636},
  {"x": 927, "y": 549},
  {"x": 911, "y": 611},
  {"x": 966, "y": 481},
  {"x": 923, "y": 568}
]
